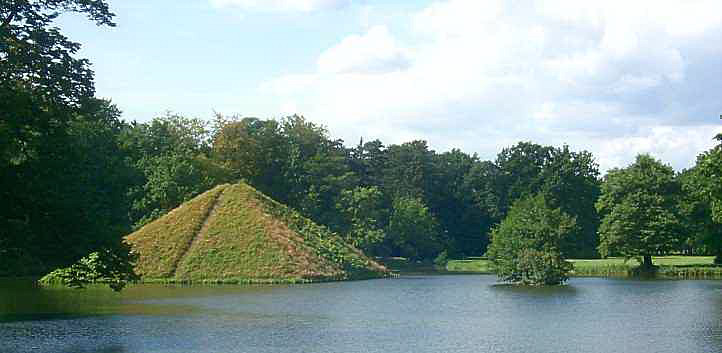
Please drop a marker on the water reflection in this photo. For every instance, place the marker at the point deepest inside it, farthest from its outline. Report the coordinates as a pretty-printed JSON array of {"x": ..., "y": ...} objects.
[
  {"x": 418, "y": 314},
  {"x": 562, "y": 290},
  {"x": 100, "y": 349}
]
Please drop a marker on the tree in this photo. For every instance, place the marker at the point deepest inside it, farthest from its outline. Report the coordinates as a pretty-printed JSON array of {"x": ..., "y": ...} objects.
[
  {"x": 710, "y": 167},
  {"x": 409, "y": 170},
  {"x": 41, "y": 82},
  {"x": 639, "y": 209},
  {"x": 413, "y": 230},
  {"x": 254, "y": 150},
  {"x": 569, "y": 180},
  {"x": 526, "y": 247},
  {"x": 70, "y": 198},
  {"x": 464, "y": 223},
  {"x": 169, "y": 157},
  {"x": 703, "y": 233},
  {"x": 363, "y": 209},
  {"x": 700, "y": 203}
]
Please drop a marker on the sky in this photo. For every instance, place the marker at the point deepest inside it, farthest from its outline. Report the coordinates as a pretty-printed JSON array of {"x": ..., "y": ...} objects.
[{"x": 616, "y": 78}]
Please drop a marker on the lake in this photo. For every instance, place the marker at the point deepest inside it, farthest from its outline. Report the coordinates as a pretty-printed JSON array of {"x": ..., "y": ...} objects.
[{"x": 459, "y": 313}]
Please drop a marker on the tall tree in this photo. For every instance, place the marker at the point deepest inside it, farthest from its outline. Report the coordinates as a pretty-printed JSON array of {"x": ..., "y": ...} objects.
[
  {"x": 464, "y": 223},
  {"x": 42, "y": 83},
  {"x": 59, "y": 170},
  {"x": 571, "y": 181},
  {"x": 701, "y": 203},
  {"x": 639, "y": 208},
  {"x": 409, "y": 170},
  {"x": 568, "y": 179},
  {"x": 365, "y": 215},
  {"x": 413, "y": 230},
  {"x": 368, "y": 160},
  {"x": 169, "y": 156}
]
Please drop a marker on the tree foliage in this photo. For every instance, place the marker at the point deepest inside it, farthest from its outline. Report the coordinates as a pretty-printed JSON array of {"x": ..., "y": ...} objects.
[
  {"x": 639, "y": 208},
  {"x": 363, "y": 210},
  {"x": 113, "y": 268},
  {"x": 526, "y": 247},
  {"x": 568, "y": 179},
  {"x": 700, "y": 204},
  {"x": 169, "y": 155},
  {"x": 413, "y": 230}
]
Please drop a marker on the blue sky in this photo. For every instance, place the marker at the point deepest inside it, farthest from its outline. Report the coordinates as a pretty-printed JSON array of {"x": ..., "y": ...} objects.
[{"x": 616, "y": 78}]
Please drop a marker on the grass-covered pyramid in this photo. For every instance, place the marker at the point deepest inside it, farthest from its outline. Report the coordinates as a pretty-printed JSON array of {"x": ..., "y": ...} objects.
[{"x": 235, "y": 234}]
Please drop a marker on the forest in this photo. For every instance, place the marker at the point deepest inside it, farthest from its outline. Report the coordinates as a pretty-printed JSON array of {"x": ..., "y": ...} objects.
[
  {"x": 90, "y": 178},
  {"x": 76, "y": 177}
]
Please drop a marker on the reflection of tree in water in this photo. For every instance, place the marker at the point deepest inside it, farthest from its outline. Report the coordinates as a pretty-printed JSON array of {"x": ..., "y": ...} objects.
[
  {"x": 110, "y": 348},
  {"x": 24, "y": 300},
  {"x": 714, "y": 331},
  {"x": 537, "y": 291},
  {"x": 53, "y": 334},
  {"x": 56, "y": 320}
]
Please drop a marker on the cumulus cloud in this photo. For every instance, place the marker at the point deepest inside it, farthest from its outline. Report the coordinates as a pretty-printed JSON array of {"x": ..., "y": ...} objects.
[
  {"x": 373, "y": 52},
  {"x": 282, "y": 5},
  {"x": 615, "y": 77}
]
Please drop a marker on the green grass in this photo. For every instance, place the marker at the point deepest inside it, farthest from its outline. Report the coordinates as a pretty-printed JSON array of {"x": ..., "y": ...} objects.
[
  {"x": 476, "y": 265},
  {"x": 235, "y": 234},
  {"x": 669, "y": 266},
  {"x": 162, "y": 243}
]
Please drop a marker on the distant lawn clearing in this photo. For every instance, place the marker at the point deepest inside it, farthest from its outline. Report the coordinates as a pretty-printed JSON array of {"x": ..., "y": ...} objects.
[{"x": 670, "y": 266}]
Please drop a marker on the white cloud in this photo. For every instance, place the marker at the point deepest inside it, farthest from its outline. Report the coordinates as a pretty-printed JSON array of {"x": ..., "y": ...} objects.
[
  {"x": 373, "y": 52},
  {"x": 282, "y": 5},
  {"x": 614, "y": 77}
]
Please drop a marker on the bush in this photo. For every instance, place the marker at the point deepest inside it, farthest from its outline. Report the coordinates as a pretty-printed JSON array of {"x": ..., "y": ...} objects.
[
  {"x": 104, "y": 266},
  {"x": 442, "y": 259},
  {"x": 525, "y": 247}
]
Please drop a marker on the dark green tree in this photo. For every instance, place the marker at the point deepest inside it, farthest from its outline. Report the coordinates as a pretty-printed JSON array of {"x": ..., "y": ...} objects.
[
  {"x": 364, "y": 212},
  {"x": 368, "y": 161},
  {"x": 568, "y": 179},
  {"x": 526, "y": 247},
  {"x": 700, "y": 203},
  {"x": 464, "y": 223},
  {"x": 169, "y": 157},
  {"x": 409, "y": 170},
  {"x": 413, "y": 230},
  {"x": 42, "y": 83},
  {"x": 639, "y": 211}
]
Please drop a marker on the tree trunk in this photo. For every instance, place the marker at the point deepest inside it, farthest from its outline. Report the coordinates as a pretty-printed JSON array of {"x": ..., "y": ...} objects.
[{"x": 647, "y": 263}]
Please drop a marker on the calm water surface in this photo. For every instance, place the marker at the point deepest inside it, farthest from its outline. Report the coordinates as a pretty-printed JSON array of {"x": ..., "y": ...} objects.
[{"x": 408, "y": 314}]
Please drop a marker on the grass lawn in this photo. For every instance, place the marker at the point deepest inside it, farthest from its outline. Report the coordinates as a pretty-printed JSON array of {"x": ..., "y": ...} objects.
[
  {"x": 672, "y": 266},
  {"x": 471, "y": 264}
]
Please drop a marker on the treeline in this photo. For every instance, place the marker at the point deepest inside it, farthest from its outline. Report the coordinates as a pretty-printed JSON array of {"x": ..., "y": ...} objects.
[
  {"x": 101, "y": 177},
  {"x": 406, "y": 199},
  {"x": 75, "y": 177}
]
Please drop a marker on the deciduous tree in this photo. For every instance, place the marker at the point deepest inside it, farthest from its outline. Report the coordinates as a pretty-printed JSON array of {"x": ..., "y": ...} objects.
[
  {"x": 639, "y": 209},
  {"x": 526, "y": 247}
]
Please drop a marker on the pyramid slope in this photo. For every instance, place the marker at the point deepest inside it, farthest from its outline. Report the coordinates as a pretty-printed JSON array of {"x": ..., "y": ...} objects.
[
  {"x": 162, "y": 243},
  {"x": 233, "y": 233}
]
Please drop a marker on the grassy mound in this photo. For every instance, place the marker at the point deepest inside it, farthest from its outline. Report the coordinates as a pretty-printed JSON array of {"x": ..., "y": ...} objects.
[{"x": 235, "y": 234}]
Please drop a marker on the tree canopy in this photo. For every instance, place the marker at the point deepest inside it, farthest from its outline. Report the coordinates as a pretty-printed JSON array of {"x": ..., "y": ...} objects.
[
  {"x": 526, "y": 247},
  {"x": 639, "y": 206}
]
